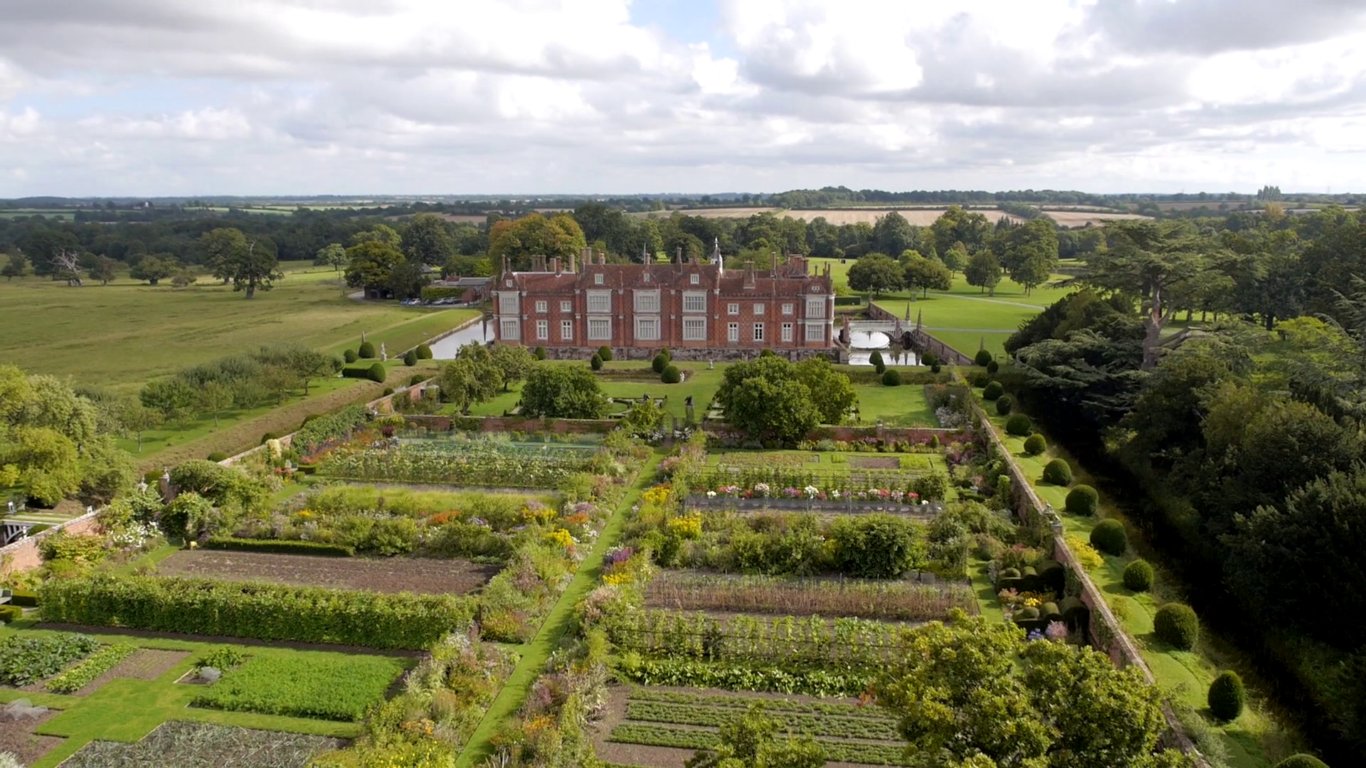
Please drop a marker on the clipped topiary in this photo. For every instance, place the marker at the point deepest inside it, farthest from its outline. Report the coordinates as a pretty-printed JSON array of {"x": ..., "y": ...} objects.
[
  {"x": 1019, "y": 425},
  {"x": 877, "y": 362},
  {"x": 366, "y": 350},
  {"x": 1176, "y": 625},
  {"x": 1301, "y": 761},
  {"x": 659, "y": 363},
  {"x": 416, "y": 379},
  {"x": 539, "y": 353},
  {"x": 980, "y": 379},
  {"x": 1226, "y": 696},
  {"x": 1004, "y": 404},
  {"x": 667, "y": 354},
  {"x": 671, "y": 374},
  {"x": 410, "y": 358},
  {"x": 1082, "y": 500},
  {"x": 891, "y": 378},
  {"x": 595, "y": 362},
  {"x": 992, "y": 390},
  {"x": 377, "y": 373},
  {"x": 1035, "y": 444},
  {"x": 424, "y": 352},
  {"x": 1138, "y": 576},
  {"x": 605, "y": 352},
  {"x": 350, "y": 356},
  {"x": 993, "y": 367},
  {"x": 934, "y": 367},
  {"x": 1057, "y": 472},
  {"x": 981, "y": 358},
  {"x": 1109, "y": 537}
]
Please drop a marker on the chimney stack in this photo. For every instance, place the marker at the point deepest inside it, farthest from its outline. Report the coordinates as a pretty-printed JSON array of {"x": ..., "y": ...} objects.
[{"x": 555, "y": 264}]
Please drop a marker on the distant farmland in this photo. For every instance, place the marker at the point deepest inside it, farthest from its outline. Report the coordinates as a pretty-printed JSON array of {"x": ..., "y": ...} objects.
[{"x": 918, "y": 216}]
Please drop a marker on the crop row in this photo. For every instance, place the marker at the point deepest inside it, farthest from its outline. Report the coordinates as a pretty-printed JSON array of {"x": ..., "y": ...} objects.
[
  {"x": 776, "y": 706},
  {"x": 741, "y": 677},
  {"x": 887, "y": 600},
  {"x": 24, "y": 660},
  {"x": 332, "y": 687},
  {"x": 662, "y": 736},
  {"x": 816, "y": 725},
  {"x": 96, "y": 664}
]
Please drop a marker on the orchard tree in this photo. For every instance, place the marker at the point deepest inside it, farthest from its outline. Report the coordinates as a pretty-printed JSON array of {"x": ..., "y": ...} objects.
[
  {"x": 471, "y": 378},
  {"x": 983, "y": 271},
  {"x": 250, "y": 264},
  {"x": 513, "y": 363},
  {"x": 831, "y": 391},
  {"x": 925, "y": 273},
  {"x": 562, "y": 392},
  {"x": 876, "y": 273},
  {"x": 766, "y": 400}
]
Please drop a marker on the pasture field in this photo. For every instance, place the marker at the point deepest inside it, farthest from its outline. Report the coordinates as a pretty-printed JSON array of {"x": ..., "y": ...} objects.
[{"x": 126, "y": 333}]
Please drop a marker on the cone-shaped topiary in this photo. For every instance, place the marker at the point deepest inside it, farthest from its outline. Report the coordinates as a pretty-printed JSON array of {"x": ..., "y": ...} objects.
[
  {"x": 1035, "y": 444},
  {"x": 993, "y": 367},
  {"x": 1082, "y": 500},
  {"x": 981, "y": 358},
  {"x": 1226, "y": 696},
  {"x": 1138, "y": 576},
  {"x": 891, "y": 378},
  {"x": 1019, "y": 425},
  {"x": 1057, "y": 472},
  {"x": 1109, "y": 537},
  {"x": 595, "y": 362},
  {"x": 671, "y": 374},
  {"x": 992, "y": 390},
  {"x": 1004, "y": 404},
  {"x": 1176, "y": 625}
]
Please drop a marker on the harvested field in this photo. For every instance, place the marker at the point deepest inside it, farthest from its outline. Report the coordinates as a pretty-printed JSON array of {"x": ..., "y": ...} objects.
[
  {"x": 395, "y": 574},
  {"x": 143, "y": 664},
  {"x": 202, "y": 745},
  {"x": 17, "y": 737},
  {"x": 857, "y": 598}
]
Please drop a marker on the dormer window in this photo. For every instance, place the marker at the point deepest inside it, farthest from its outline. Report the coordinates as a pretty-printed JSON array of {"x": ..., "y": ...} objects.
[
  {"x": 695, "y": 279},
  {"x": 597, "y": 279}
]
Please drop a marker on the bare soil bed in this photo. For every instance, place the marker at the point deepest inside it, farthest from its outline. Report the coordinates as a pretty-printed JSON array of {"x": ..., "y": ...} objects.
[
  {"x": 142, "y": 664},
  {"x": 17, "y": 738},
  {"x": 204, "y": 745},
  {"x": 394, "y": 574},
  {"x": 875, "y": 462}
]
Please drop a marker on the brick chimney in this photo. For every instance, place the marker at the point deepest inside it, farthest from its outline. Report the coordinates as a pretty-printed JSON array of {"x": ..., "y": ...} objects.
[{"x": 555, "y": 264}]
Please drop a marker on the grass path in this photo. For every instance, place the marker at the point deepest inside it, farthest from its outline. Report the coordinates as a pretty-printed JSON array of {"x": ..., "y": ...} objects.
[{"x": 535, "y": 653}]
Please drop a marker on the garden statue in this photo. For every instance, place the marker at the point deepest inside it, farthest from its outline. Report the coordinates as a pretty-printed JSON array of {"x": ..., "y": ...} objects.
[{"x": 383, "y": 354}]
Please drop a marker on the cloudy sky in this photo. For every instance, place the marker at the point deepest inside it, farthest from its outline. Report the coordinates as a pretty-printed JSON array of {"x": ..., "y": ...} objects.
[{"x": 174, "y": 97}]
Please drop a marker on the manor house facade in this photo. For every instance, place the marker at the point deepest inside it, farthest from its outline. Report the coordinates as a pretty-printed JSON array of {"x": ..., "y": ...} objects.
[{"x": 698, "y": 309}]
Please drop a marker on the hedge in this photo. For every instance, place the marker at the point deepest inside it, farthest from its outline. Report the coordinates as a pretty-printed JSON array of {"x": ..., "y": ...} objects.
[
  {"x": 283, "y": 546},
  {"x": 320, "y": 429},
  {"x": 374, "y": 372},
  {"x": 260, "y": 611}
]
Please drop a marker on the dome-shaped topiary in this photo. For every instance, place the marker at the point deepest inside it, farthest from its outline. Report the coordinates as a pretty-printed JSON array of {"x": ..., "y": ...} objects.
[
  {"x": 1057, "y": 472},
  {"x": 410, "y": 358},
  {"x": 1035, "y": 444},
  {"x": 992, "y": 390},
  {"x": 605, "y": 352},
  {"x": 1301, "y": 761},
  {"x": 377, "y": 373},
  {"x": 981, "y": 358},
  {"x": 659, "y": 362},
  {"x": 366, "y": 350},
  {"x": 1019, "y": 425},
  {"x": 891, "y": 378},
  {"x": 1138, "y": 576},
  {"x": 350, "y": 356},
  {"x": 1109, "y": 537},
  {"x": 979, "y": 379},
  {"x": 595, "y": 362},
  {"x": 1226, "y": 696},
  {"x": 1004, "y": 404},
  {"x": 424, "y": 352},
  {"x": 1082, "y": 500},
  {"x": 1176, "y": 625},
  {"x": 671, "y": 374}
]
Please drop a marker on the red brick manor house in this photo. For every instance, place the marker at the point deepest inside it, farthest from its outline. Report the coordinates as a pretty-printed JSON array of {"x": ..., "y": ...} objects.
[{"x": 698, "y": 310}]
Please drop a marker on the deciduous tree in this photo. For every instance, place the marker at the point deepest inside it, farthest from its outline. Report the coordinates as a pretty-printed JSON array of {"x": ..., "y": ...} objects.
[
  {"x": 566, "y": 392},
  {"x": 983, "y": 271},
  {"x": 876, "y": 273}
]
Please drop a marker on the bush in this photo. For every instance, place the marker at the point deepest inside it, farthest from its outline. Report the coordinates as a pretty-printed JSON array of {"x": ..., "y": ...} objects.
[
  {"x": 410, "y": 358},
  {"x": 1019, "y": 425},
  {"x": 993, "y": 367},
  {"x": 287, "y": 546},
  {"x": 934, "y": 367},
  {"x": 267, "y": 437},
  {"x": 1109, "y": 537},
  {"x": 262, "y": 611},
  {"x": 9, "y": 613},
  {"x": 376, "y": 373},
  {"x": 1082, "y": 500},
  {"x": 992, "y": 390},
  {"x": 1138, "y": 576},
  {"x": 416, "y": 379},
  {"x": 538, "y": 353},
  {"x": 877, "y": 362},
  {"x": 659, "y": 363},
  {"x": 1176, "y": 625},
  {"x": 23, "y": 597},
  {"x": 350, "y": 356},
  {"x": 979, "y": 379},
  {"x": 216, "y": 456},
  {"x": 1004, "y": 404},
  {"x": 1226, "y": 696},
  {"x": 595, "y": 362},
  {"x": 605, "y": 352},
  {"x": 876, "y": 546},
  {"x": 1035, "y": 444},
  {"x": 671, "y": 375},
  {"x": 366, "y": 350},
  {"x": 424, "y": 351},
  {"x": 1301, "y": 761},
  {"x": 1057, "y": 472},
  {"x": 891, "y": 378},
  {"x": 981, "y": 358}
]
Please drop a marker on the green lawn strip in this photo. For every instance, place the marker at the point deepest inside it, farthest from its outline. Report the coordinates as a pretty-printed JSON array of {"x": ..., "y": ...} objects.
[
  {"x": 1184, "y": 676},
  {"x": 659, "y": 735},
  {"x": 536, "y": 652},
  {"x": 904, "y": 406},
  {"x": 149, "y": 559},
  {"x": 701, "y": 384},
  {"x": 328, "y": 686},
  {"x": 985, "y": 592}
]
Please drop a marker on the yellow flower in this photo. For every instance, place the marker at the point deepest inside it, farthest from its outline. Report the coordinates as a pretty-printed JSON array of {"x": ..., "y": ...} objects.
[
  {"x": 1031, "y": 602},
  {"x": 562, "y": 537},
  {"x": 687, "y": 526},
  {"x": 657, "y": 496}
]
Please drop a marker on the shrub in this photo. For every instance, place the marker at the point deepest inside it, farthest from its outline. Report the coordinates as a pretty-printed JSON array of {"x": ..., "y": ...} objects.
[
  {"x": 891, "y": 378},
  {"x": 993, "y": 367},
  {"x": 1138, "y": 576},
  {"x": 376, "y": 373},
  {"x": 934, "y": 367},
  {"x": 350, "y": 356},
  {"x": 659, "y": 363},
  {"x": 877, "y": 362},
  {"x": 992, "y": 390},
  {"x": 1301, "y": 761},
  {"x": 1004, "y": 404},
  {"x": 671, "y": 375},
  {"x": 1226, "y": 696},
  {"x": 981, "y": 358},
  {"x": 1057, "y": 472},
  {"x": 979, "y": 379},
  {"x": 424, "y": 351},
  {"x": 1035, "y": 444},
  {"x": 605, "y": 352},
  {"x": 1109, "y": 537},
  {"x": 416, "y": 379},
  {"x": 1019, "y": 425},
  {"x": 23, "y": 597},
  {"x": 1176, "y": 625},
  {"x": 539, "y": 353},
  {"x": 267, "y": 437},
  {"x": 101, "y": 661},
  {"x": 216, "y": 456},
  {"x": 366, "y": 350},
  {"x": 410, "y": 358},
  {"x": 876, "y": 546},
  {"x": 1082, "y": 500},
  {"x": 595, "y": 362}
]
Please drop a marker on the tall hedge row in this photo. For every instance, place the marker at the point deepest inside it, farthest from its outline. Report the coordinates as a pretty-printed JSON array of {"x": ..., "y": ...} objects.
[{"x": 261, "y": 611}]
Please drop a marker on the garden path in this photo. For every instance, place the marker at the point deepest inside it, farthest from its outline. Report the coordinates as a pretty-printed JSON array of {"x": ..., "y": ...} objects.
[{"x": 536, "y": 652}]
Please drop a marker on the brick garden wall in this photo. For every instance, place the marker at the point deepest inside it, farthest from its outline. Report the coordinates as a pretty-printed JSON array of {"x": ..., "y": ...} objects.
[{"x": 23, "y": 555}]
